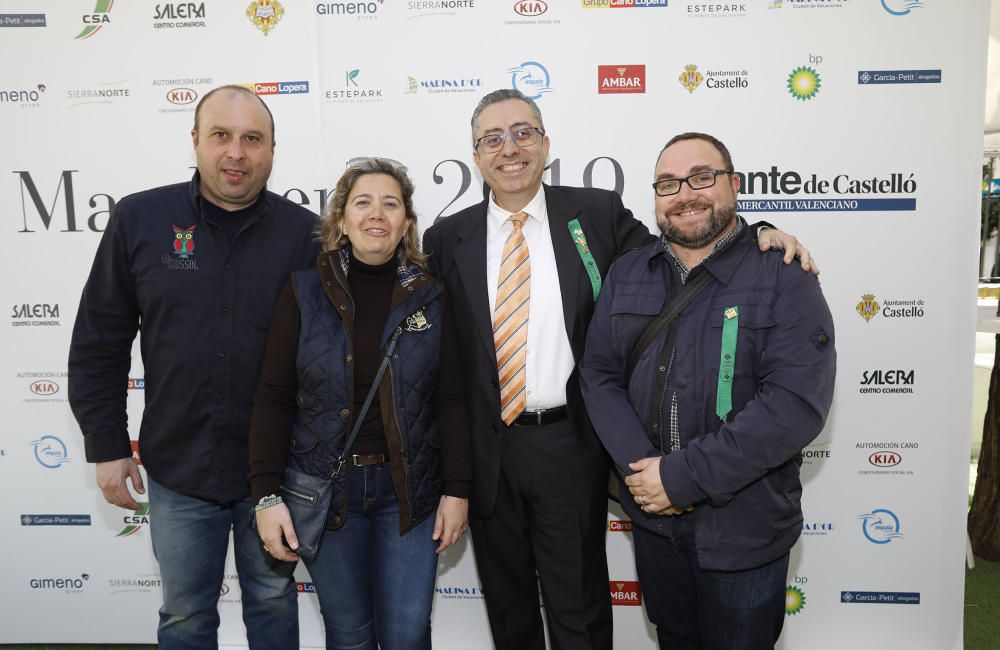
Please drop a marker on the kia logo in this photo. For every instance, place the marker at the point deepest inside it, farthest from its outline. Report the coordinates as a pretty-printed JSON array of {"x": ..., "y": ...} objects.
[
  {"x": 44, "y": 387},
  {"x": 530, "y": 7},
  {"x": 885, "y": 459},
  {"x": 181, "y": 96}
]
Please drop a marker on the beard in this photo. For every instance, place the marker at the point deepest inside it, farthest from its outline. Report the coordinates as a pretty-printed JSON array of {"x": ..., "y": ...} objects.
[{"x": 719, "y": 220}]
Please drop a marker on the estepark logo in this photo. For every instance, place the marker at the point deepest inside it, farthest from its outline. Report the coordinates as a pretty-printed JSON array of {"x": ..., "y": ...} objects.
[
  {"x": 716, "y": 9},
  {"x": 625, "y": 592},
  {"x": 278, "y": 87},
  {"x": 354, "y": 90},
  {"x": 621, "y": 79},
  {"x": 94, "y": 21}
]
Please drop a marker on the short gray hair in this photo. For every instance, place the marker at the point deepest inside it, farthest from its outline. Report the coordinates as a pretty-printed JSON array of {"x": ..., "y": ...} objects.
[{"x": 503, "y": 95}]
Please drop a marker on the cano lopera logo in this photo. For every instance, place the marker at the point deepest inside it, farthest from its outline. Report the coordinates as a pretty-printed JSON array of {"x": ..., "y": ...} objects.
[{"x": 620, "y": 525}]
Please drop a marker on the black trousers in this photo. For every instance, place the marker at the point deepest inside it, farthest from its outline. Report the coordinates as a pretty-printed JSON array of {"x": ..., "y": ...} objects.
[{"x": 548, "y": 527}]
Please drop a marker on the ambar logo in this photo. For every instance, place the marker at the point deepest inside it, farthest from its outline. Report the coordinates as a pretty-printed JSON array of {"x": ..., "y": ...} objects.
[
  {"x": 621, "y": 79},
  {"x": 625, "y": 592}
]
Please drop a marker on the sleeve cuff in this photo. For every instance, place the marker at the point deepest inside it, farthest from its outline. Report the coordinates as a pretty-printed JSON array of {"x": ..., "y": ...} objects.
[
  {"x": 458, "y": 489},
  {"x": 677, "y": 480}
]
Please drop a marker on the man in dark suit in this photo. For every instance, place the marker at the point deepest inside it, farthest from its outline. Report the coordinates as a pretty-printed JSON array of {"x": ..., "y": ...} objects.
[{"x": 534, "y": 253}]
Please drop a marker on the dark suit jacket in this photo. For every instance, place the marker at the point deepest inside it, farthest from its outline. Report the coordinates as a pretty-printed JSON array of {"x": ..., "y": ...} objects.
[{"x": 457, "y": 249}]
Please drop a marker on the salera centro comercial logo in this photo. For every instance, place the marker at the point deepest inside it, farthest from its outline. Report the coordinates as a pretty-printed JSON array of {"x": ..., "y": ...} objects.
[
  {"x": 50, "y": 452},
  {"x": 880, "y": 526},
  {"x": 94, "y": 21},
  {"x": 887, "y": 381},
  {"x": 39, "y": 314},
  {"x": 265, "y": 14},
  {"x": 531, "y": 78},
  {"x": 135, "y": 521},
  {"x": 179, "y": 15},
  {"x": 625, "y": 592},
  {"x": 869, "y": 307},
  {"x": 621, "y": 79}
]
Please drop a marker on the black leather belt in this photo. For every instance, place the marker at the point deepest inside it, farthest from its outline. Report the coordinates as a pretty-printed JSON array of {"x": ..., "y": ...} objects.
[
  {"x": 360, "y": 460},
  {"x": 542, "y": 417}
]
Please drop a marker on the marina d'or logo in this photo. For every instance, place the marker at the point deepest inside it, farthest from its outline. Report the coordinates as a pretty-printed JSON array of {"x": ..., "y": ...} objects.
[
  {"x": 803, "y": 83},
  {"x": 265, "y": 14},
  {"x": 795, "y": 600}
]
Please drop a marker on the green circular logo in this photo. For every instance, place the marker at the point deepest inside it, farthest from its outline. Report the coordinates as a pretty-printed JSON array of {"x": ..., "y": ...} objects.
[
  {"x": 795, "y": 600},
  {"x": 803, "y": 83}
]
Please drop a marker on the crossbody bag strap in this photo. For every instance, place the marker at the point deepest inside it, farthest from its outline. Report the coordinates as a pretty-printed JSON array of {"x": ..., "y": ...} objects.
[
  {"x": 669, "y": 313},
  {"x": 360, "y": 416}
]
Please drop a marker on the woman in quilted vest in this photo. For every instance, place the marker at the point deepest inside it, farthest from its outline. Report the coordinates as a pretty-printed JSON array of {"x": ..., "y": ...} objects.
[{"x": 359, "y": 448}]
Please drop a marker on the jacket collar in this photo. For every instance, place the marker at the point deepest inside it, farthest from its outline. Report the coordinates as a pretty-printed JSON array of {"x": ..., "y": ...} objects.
[{"x": 722, "y": 263}]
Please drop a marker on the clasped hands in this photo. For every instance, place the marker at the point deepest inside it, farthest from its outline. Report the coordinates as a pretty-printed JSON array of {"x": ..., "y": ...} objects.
[{"x": 647, "y": 488}]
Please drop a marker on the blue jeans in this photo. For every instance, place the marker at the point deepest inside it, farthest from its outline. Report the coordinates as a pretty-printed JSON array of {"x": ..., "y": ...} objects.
[
  {"x": 717, "y": 610},
  {"x": 190, "y": 540},
  {"x": 375, "y": 586}
]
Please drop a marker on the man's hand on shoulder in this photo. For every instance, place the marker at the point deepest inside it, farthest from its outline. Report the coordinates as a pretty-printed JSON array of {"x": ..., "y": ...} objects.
[
  {"x": 772, "y": 238},
  {"x": 111, "y": 476}
]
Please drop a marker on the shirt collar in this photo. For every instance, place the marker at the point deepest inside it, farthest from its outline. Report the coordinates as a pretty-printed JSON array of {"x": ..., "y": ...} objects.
[
  {"x": 535, "y": 208},
  {"x": 261, "y": 205},
  {"x": 718, "y": 262}
]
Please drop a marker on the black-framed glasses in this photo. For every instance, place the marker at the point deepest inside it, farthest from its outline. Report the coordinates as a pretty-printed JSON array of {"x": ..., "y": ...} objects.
[
  {"x": 699, "y": 181},
  {"x": 524, "y": 137}
]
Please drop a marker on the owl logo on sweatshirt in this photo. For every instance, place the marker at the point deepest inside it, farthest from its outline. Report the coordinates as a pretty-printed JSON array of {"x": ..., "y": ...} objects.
[{"x": 184, "y": 242}]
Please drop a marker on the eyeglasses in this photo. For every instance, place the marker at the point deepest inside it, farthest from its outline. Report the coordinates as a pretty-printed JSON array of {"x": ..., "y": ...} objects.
[
  {"x": 699, "y": 181},
  {"x": 523, "y": 137}
]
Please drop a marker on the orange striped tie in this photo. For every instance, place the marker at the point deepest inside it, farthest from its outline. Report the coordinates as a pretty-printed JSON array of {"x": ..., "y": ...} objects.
[{"x": 510, "y": 320}]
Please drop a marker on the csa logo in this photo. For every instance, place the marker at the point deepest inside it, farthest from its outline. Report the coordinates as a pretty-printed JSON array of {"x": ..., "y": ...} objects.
[
  {"x": 626, "y": 593},
  {"x": 690, "y": 78},
  {"x": 135, "y": 521},
  {"x": 93, "y": 22},
  {"x": 868, "y": 307},
  {"x": 803, "y": 83},
  {"x": 265, "y": 14},
  {"x": 184, "y": 242}
]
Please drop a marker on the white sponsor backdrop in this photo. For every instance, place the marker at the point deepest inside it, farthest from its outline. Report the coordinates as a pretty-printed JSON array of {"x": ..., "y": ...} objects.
[{"x": 91, "y": 115}]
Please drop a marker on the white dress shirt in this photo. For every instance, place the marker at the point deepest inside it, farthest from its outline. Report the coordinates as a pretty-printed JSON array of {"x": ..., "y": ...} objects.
[{"x": 550, "y": 357}]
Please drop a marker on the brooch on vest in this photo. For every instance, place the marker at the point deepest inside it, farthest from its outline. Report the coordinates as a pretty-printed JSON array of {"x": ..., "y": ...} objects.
[{"x": 417, "y": 322}]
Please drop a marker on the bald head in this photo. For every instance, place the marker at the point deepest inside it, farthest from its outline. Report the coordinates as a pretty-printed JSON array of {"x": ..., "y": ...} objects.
[{"x": 228, "y": 89}]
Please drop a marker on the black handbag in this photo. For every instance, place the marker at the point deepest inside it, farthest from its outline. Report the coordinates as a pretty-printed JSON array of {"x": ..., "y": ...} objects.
[{"x": 308, "y": 497}]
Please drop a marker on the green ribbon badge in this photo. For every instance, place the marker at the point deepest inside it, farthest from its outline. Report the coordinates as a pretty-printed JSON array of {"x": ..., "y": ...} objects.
[
  {"x": 589, "y": 263},
  {"x": 727, "y": 362}
]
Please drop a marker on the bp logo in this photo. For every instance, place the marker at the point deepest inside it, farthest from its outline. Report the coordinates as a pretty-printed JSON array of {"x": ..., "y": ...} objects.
[
  {"x": 795, "y": 600},
  {"x": 803, "y": 83},
  {"x": 135, "y": 521}
]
